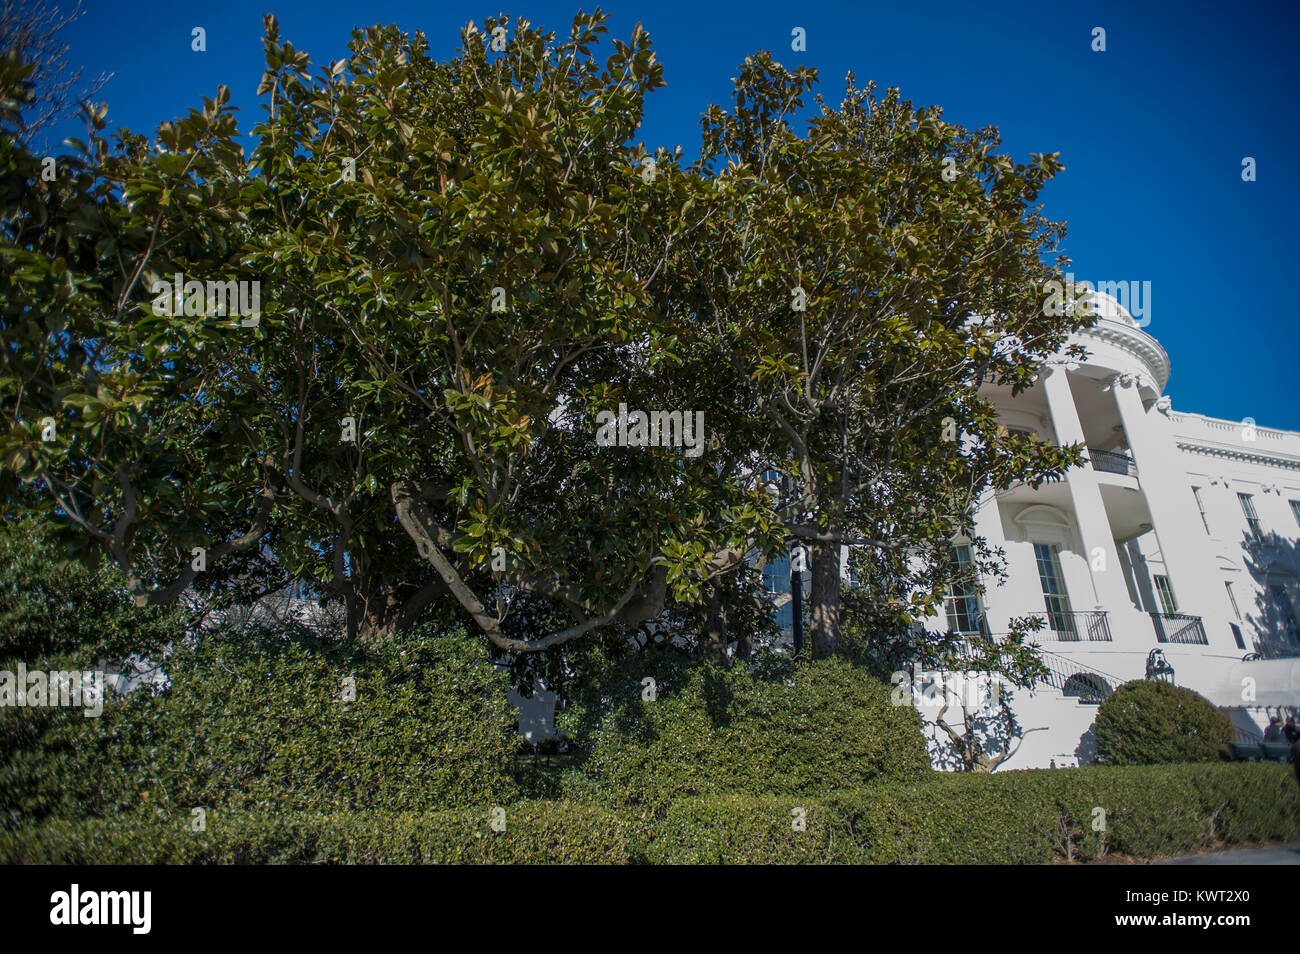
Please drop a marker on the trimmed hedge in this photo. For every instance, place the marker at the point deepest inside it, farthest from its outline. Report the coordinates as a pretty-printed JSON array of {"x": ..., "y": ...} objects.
[
  {"x": 1048, "y": 815},
  {"x": 782, "y": 730},
  {"x": 1147, "y": 722},
  {"x": 535, "y": 833},
  {"x": 260, "y": 724},
  {"x": 748, "y": 829},
  {"x": 1034, "y": 817},
  {"x": 254, "y": 720}
]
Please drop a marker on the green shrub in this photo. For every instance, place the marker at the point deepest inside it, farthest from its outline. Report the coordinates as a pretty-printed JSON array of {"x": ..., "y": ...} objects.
[
  {"x": 1147, "y": 722},
  {"x": 748, "y": 829},
  {"x": 956, "y": 818},
  {"x": 258, "y": 723},
  {"x": 535, "y": 833},
  {"x": 54, "y": 606},
  {"x": 1031, "y": 817},
  {"x": 1050, "y": 815},
  {"x": 780, "y": 730}
]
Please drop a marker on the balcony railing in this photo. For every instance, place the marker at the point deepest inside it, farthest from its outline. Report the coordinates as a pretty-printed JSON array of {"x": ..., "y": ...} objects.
[
  {"x": 1068, "y": 626},
  {"x": 1178, "y": 628},
  {"x": 1110, "y": 462}
]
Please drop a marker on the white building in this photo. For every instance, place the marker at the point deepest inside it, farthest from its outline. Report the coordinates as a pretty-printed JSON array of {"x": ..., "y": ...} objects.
[{"x": 1182, "y": 534}]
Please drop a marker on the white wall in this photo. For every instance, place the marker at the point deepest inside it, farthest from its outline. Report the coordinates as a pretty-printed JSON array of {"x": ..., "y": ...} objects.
[{"x": 1153, "y": 526}]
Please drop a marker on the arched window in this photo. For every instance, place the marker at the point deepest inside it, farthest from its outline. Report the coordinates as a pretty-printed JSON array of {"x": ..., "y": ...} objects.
[{"x": 1086, "y": 687}]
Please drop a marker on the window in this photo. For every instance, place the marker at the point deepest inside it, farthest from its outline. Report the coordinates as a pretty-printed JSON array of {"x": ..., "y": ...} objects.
[
  {"x": 1057, "y": 601},
  {"x": 1252, "y": 518},
  {"x": 963, "y": 602},
  {"x": 1086, "y": 687},
  {"x": 1236, "y": 634},
  {"x": 776, "y": 575},
  {"x": 1232, "y": 598},
  {"x": 1166, "y": 593},
  {"x": 1285, "y": 612},
  {"x": 1196, "y": 492},
  {"x": 1295, "y": 510}
]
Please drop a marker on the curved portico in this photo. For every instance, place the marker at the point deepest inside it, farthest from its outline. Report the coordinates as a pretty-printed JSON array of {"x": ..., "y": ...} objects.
[
  {"x": 1131, "y": 597},
  {"x": 1172, "y": 553}
]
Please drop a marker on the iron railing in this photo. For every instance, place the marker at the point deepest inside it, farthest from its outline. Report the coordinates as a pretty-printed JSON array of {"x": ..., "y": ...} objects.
[
  {"x": 1068, "y": 626},
  {"x": 1075, "y": 680},
  {"x": 1179, "y": 628},
  {"x": 1110, "y": 462},
  {"x": 1271, "y": 654}
]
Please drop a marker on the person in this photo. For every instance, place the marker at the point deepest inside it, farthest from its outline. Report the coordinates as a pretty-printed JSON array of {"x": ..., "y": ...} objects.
[
  {"x": 1289, "y": 731},
  {"x": 1274, "y": 731}
]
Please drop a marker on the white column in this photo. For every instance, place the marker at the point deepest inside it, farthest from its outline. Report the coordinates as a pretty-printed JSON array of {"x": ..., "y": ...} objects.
[
  {"x": 1192, "y": 569},
  {"x": 1109, "y": 592},
  {"x": 988, "y": 524}
]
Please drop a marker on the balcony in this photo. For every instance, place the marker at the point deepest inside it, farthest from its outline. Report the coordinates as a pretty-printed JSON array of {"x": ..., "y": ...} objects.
[
  {"x": 1067, "y": 626},
  {"x": 1109, "y": 462},
  {"x": 1179, "y": 628}
]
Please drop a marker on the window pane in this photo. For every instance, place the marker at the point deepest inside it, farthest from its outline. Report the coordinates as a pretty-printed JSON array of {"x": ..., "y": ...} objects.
[
  {"x": 1166, "y": 593},
  {"x": 1059, "y": 617},
  {"x": 1236, "y": 635},
  {"x": 1285, "y": 612},
  {"x": 962, "y": 604},
  {"x": 1252, "y": 518},
  {"x": 1232, "y": 598},
  {"x": 1196, "y": 492}
]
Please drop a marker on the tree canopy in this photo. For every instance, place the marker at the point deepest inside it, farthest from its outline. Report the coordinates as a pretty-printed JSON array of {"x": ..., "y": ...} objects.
[{"x": 447, "y": 337}]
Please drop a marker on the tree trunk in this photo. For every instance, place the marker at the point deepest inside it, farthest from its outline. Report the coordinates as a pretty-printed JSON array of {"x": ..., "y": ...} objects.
[
  {"x": 716, "y": 627},
  {"x": 373, "y": 612},
  {"x": 824, "y": 622}
]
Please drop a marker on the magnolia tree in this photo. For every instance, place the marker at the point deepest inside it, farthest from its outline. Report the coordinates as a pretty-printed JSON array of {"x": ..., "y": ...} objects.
[
  {"x": 447, "y": 339},
  {"x": 385, "y": 353},
  {"x": 861, "y": 282}
]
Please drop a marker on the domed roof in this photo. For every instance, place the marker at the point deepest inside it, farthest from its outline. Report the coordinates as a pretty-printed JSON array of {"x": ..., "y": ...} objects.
[
  {"x": 1107, "y": 306},
  {"x": 1120, "y": 329}
]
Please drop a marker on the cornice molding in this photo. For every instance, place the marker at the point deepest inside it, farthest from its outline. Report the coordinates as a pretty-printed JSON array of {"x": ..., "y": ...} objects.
[
  {"x": 1237, "y": 453},
  {"x": 1136, "y": 342}
]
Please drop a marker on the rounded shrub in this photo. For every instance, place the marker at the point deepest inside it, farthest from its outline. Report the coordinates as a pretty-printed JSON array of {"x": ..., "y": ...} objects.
[
  {"x": 1147, "y": 722},
  {"x": 702, "y": 729}
]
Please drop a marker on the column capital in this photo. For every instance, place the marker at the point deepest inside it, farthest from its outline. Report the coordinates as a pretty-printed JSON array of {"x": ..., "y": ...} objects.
[
  {"x": 1126, "y": 379},
  {"x": 1057, "y": 363}
]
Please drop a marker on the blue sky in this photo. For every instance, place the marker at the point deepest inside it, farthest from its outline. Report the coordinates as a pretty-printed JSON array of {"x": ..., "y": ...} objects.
[{"x": 1152, "y": 132}]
